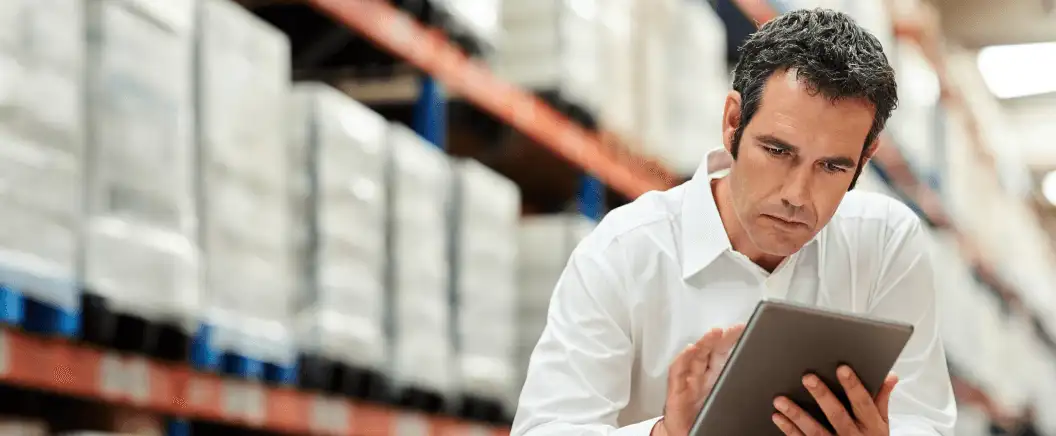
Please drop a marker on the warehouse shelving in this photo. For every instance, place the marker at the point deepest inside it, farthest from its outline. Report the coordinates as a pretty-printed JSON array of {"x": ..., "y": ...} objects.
[
  {"x": 63, "y": 367},
  {"x": 428, "y": 50},
  {"x": 175, "y": 390},
  {"x": 628, "y": 174}
]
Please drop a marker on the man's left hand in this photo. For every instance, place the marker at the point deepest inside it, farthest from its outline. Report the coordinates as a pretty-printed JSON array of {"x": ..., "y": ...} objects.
[{"x": 871, "y": 413}]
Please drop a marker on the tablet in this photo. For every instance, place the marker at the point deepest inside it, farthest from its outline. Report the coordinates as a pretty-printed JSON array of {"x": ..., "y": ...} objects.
[{"x": 781, "y": 343}]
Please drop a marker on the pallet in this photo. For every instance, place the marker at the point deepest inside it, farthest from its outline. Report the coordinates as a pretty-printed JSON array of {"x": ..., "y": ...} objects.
[
  {"x": 205, "y": 356},
  {"x": 105, "y": 327},
  {"x": 32, "y": 315},
  {"x": 483, "y": 409},
  {"x": 421, "y": 399},
  {"x": 359, "y": 383}
]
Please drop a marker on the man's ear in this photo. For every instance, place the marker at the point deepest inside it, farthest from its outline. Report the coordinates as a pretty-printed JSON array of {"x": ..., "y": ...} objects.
[
  {"x": 731, "y": 119},
  {"x": 870, "y": 151}
]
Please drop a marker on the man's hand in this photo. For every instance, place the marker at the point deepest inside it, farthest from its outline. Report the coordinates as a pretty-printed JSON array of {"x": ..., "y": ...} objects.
[
  {"x": 692, "y": 376},
  {"x": 871, "y": 414}
]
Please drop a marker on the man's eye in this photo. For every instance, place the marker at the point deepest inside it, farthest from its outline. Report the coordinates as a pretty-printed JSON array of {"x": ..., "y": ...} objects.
[
  {"x": 833, "y": 168},
  {"x": 776, "y": 151}
]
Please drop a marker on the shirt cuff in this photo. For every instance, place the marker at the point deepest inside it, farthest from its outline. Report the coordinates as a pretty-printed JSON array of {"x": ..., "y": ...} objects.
[{"x": 643, "y": 428}]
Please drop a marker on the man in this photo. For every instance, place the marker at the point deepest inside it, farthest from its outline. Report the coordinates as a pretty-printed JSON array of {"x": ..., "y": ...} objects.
[{"x": 812, "y": 92}]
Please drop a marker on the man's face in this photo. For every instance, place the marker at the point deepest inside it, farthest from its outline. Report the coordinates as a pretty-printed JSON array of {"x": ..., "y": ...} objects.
[{"x": 796, "y": 159}]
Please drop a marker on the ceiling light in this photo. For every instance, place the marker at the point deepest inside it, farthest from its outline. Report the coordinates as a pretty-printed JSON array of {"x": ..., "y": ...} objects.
[
  {"x": 1048, "y": 187},
  {"x": 1019, "y": 70}
]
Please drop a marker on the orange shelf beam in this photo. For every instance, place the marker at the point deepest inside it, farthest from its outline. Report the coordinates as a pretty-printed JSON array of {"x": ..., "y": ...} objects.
[
  {"x": 429, "y": 50},
  {"x": 63, "y": 367}
]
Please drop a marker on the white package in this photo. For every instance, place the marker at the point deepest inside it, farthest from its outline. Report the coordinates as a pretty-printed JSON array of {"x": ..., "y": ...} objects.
[
  {"x": 618, "y": 104},
  {"x": 420, "y": 191},
  {"x": 140, "y": 252},
  {"x": 244, "y": 87},
  {"x": 653, "y": 47},
  {"x": 545, "y": 244},
  {"x": 915, "y": 125},
  {"x": 44, "y": 68},
  {"x": 338, "y": 160},
  {"x": 478, "y": 18},
  {"x": 39, "y": 244},
  {"x": 697, "y": 84},
  {"x": 42, "y": 50},
  {"x": 551, "y": 45},
  {"x": 485, "y": 275}
]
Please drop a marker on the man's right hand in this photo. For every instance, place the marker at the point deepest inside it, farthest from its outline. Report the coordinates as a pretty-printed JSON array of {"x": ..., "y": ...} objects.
[{"x": 691, "y": 377}]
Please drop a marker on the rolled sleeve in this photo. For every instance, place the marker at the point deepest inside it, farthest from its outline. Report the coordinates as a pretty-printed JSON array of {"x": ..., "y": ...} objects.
[
  {"x": 579, "y": 374},
  {"x": 923, "y": 401}
]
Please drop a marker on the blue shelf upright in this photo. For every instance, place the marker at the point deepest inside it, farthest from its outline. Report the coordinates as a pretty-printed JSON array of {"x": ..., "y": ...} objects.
[
  {"x": 430, "y": 112},
  {"x": 178, "y": 427},
  {"x": 591, "y": 197}
]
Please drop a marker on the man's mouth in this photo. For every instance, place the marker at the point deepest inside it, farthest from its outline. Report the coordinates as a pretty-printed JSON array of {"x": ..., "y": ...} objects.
[{"x": 785, "y": 222}]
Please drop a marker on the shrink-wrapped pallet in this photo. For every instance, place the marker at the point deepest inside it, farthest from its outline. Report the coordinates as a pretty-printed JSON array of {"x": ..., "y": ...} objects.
[
  {"x": 337, "y": 160},
  {"x": 697, "y": 84},
  {"x": 419, "y": 183},
  {"x": 141, "y": 253},
  {"x": 484, "y": 282},
  {"x": 42, "y": 45},
  {"x": 243, "y": 104},
  {"x": 551, "y": 46},
  {"x": 545, "y": 244}
]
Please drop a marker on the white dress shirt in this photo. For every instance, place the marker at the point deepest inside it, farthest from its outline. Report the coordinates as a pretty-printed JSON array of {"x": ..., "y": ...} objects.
[{"x": 658, "y": 273}]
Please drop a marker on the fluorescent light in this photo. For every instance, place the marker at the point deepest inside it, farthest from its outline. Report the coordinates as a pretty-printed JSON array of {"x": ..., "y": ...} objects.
[
  {"x": 1048, "y": 187},
  {"x": 1019, "y": 70}
]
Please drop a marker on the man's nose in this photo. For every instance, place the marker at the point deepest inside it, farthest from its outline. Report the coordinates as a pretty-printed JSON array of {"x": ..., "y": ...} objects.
[{"x": 795, "y": 192}]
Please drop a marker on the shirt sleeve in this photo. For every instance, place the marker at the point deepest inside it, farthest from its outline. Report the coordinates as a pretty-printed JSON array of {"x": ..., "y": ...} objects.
[
  {"x": 579, "y": 375},
  {"x": 922, "y": 403}
]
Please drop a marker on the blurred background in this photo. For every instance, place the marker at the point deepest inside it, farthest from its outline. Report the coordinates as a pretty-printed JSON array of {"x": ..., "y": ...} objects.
[{"x": 348, "y": 216}]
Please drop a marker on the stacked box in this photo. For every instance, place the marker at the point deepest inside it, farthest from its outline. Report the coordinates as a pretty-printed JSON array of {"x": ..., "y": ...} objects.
[
  {"x": 654, "y": 45},
  {"x": 915, "y": 125},
  {"x": 337, "y": 164},
  {"x": 545, "y": 244},
  {"x": 484, "y": 280},
  {"x": 42, "y": 159},
  {"x": 476, "y": 19},
  {"x": 698, "y": 81},
  {"x": 140, "y": 247},
  {"x": 243, "y": 90},
  {"x": 618, "y": 100},
  {"x": 419, "y": 183},
  {"x": 551, "y": 45}
]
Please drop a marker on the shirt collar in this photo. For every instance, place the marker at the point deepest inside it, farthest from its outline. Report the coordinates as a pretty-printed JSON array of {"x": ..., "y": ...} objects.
[{"x": 703, "y": 235}]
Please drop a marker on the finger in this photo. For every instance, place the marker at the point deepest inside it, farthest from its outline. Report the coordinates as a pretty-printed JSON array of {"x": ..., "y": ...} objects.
[
  {"x": 730, "y": 336},
  {"x": 786, "y": 426},
  {"x": 699, "y": 364},
  {"x": 679, "y": 369},
  {"x": 802, "y": 420},
  {"x": 883, "y": 398},
  {"x": 707, "y": 343},
  {"x": 830, "y": 405},
  {"x": 721, "y": 353},
  {"x": 861, "y": 401}
]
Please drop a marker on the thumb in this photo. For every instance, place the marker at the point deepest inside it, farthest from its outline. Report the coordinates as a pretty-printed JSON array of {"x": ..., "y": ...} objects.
[{"x": 883, "y": 398}]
